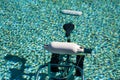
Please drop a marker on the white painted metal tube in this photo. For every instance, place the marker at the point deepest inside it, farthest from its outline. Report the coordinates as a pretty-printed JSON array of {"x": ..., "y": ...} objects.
[
  {"x": 71, "y": 12},
  {"x": 64, "y": 48}
]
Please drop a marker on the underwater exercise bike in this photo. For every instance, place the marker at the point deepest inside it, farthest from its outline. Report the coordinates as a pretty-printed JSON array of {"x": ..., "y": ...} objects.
[{"x": 61, "y": 67}]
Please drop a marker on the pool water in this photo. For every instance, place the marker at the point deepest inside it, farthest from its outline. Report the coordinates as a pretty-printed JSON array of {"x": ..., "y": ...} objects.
[{"x": 26, "y": 25}]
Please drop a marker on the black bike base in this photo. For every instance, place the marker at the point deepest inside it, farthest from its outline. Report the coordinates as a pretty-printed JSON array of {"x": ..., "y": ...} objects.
[
  {"x": 54, "y": 60},
  {"x": 79, "y": 62}
]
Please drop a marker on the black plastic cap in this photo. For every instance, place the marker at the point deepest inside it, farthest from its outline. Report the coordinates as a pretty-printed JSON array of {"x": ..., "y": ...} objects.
[{"x": 87, "y": 50}]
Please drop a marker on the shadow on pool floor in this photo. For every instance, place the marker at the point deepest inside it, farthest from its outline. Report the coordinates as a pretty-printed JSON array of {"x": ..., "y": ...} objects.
[{"x": 17, "y": 74}]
